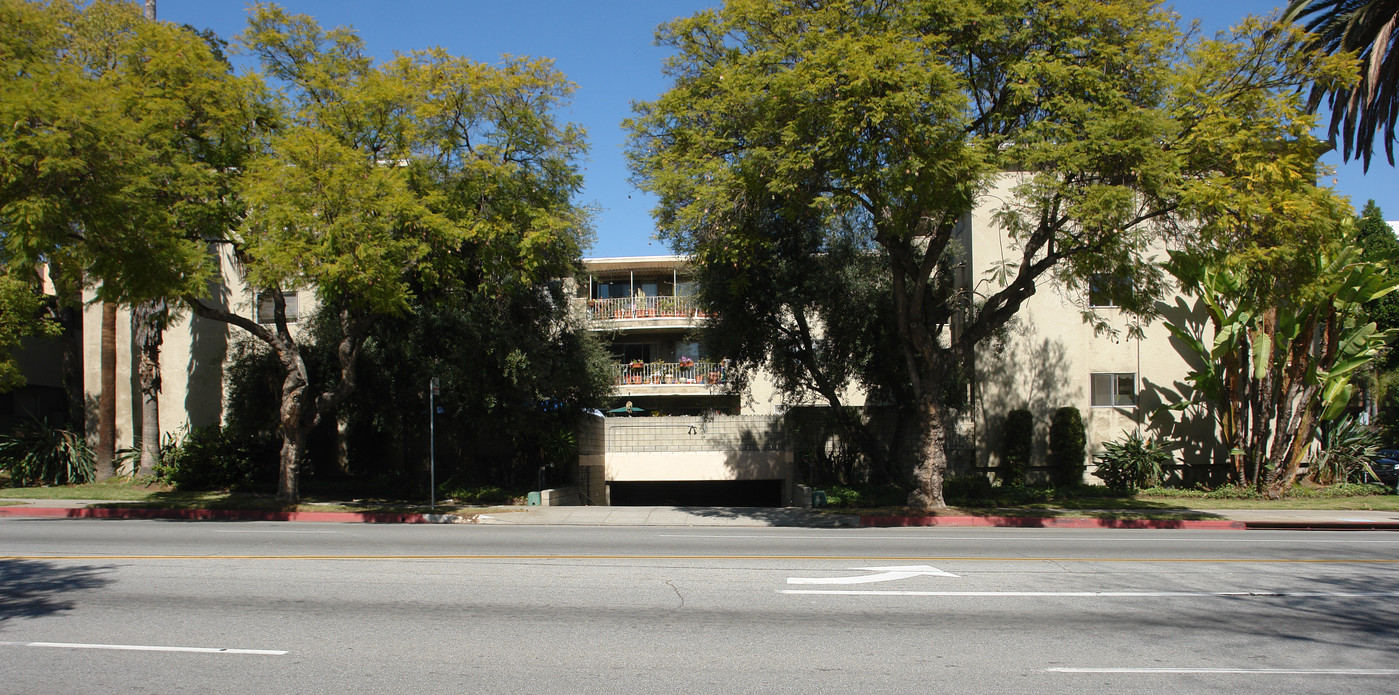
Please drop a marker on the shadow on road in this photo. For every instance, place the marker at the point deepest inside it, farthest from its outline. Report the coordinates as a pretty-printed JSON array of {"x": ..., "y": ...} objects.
[{"x": 32, "y": 589}]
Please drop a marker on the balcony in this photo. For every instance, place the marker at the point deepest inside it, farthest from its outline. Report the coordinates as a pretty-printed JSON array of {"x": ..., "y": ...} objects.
[
  {"x": 686, "y": 308},
  {"x": 662, "y": 374}
]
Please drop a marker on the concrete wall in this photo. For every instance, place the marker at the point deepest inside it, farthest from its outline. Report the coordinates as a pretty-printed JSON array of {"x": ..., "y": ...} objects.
[
  {"x": 679, "y": 448},
  {"x": 692, "y": 433},
  {"x": 699, "y": 465},
  {"x": 591, "y": 478}
]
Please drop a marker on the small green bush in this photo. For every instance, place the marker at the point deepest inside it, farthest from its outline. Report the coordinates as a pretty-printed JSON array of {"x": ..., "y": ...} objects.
[
  {"x": 1019, "y": 439},
  {"x": 476, "y": 494},
  {"x": 1132, "y": 464},
  {"x": 969, "y": 488},
  {"x": 215, "y": 458},
  {"x": 1347, "y": 450},
  {"x": 1342, "y": 490},
  {"x": 37, "y": 454},
  {"x": 865, "y": 496},
  {"x": 1067, "y": 440}
]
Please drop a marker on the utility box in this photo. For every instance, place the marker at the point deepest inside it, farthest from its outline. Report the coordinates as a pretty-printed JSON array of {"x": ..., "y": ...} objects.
[{"x": 532, "y": 499}]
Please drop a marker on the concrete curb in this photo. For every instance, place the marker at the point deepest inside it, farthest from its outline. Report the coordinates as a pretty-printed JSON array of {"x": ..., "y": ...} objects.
[
  {"x": 236, "y": 515},
  {"x": 1048, "y": 522}
]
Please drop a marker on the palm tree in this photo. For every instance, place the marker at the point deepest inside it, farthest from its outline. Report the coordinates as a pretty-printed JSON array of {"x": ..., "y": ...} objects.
[{"x": 1367, "y": 28}]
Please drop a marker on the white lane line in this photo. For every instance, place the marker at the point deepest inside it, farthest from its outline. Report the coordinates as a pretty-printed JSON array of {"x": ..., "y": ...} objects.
[
  {"x": 886, "y": 574},
  {"x": 1249, "y": 671},
  {"x": 304, "y": 533},
  {"x": 145, "y": 648},
  {"x": 1104, "y": 594},
  {"x": 1252, "y": 540}
]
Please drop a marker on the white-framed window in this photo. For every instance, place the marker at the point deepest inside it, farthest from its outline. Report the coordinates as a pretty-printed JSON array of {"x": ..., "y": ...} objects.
[
  {"x": 1114, "y": 390},
  {"x": 267, "y": 313},
  {"x": 1103, "y": 291}
]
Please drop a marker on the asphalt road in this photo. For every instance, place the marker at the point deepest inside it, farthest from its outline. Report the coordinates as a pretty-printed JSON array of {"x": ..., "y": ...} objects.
[{"x": 159, "y": 606}]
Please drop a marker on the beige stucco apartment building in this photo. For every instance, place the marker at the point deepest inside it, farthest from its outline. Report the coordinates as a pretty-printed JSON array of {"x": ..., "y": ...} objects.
[{"x": 688, "y": 437}]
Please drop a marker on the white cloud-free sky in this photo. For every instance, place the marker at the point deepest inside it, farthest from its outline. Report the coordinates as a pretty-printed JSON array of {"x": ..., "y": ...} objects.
[{"x": 606, "y": 48}]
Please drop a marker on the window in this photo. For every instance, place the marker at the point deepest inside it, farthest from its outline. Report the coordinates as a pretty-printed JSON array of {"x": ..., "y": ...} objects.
[
  {"x": 267, "y": 313},
  {"x": 1114, "y": 390},
  {"x": 630, "y": 352},
  {"x": 1106, "y": 290}
]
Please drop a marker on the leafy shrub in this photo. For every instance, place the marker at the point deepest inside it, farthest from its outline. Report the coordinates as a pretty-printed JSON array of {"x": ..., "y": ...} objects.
[
  {"x": 1019, "y": 442},
  {"x": 1132, "y": 464},
  {"x": 215, "y": 458},
  {"x": 1224, "y": 492},
  {"x": 1347, "y": 448},
  {"x": 969, "y": 488},
  {"x": 865, "y": 496},
  {"x": 1342, "y": 490},
  {"x": 1067, "y": 440},
  {"x": 37, "y": 454},
  {"x": 476, "y": 494},
  {"x": 977, "y": 491}
]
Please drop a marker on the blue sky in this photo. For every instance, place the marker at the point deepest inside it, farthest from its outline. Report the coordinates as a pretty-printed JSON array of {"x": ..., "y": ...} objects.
[{"x": 606, "y": 48}]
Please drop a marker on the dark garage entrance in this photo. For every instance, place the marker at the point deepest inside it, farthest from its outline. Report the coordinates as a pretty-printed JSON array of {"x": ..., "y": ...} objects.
[{"x": 698, "y": 493}]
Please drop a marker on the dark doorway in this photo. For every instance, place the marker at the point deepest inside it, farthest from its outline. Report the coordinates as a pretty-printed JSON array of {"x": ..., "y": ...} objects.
[{"x": 698, "y": 493}]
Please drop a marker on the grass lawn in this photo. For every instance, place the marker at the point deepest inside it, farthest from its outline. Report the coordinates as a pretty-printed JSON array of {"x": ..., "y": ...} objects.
[{"x": 147, "y": 493}]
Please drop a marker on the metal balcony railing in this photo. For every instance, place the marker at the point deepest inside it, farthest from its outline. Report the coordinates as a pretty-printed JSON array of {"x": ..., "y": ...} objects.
[
  {"x": 660, "y": 373},
  {"x": 643, "y": 308}
]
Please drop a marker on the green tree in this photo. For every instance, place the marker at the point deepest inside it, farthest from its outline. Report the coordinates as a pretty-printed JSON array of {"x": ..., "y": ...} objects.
[
  {"x": 426, "y": 170},
  {"x": 1378, "y": 244},
  {"x": 880, "y": 126},
  {"x": 1381, "y": 378},
  {"x": 22, "y": 315},
  {"x": 1365, "y": 29},
  {"x": 514, "y": 367},
  {"x": 122, "y": 138}
]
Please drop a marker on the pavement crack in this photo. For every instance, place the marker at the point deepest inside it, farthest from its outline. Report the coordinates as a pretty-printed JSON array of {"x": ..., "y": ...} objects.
[{"x": 678, "y": 595}]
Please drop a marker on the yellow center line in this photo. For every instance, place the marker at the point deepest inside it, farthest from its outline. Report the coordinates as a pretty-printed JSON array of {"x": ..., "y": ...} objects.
[{"x": 834, "y": 558}]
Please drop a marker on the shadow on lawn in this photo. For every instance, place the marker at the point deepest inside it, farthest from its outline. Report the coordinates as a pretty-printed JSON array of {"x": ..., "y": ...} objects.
[{"x": 254, "y": 506}]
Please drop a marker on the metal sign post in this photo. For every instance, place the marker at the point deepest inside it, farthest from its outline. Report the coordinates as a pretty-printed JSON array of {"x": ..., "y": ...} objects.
[{"x": 434, "y": 389}]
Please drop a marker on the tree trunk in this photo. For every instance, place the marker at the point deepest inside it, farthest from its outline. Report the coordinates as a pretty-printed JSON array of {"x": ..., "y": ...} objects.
[
  {"x": 107, "y": 396},
  {"x": 932, "y": 464},
  {"x": 297, "y": 421},
  {"x": 342, "y": 443},
  {"x": 148, "y": 329},
  {"x": 300, "y": 410}
]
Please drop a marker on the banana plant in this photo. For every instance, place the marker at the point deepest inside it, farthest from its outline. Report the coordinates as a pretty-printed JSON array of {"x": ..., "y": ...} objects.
[{"x": 1274, "y": 370}]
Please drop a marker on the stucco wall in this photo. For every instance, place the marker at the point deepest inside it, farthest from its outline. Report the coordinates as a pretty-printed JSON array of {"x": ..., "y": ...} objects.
[
  {"x": 193, "y": 358},
  {"x": 1049, "y": 352}
]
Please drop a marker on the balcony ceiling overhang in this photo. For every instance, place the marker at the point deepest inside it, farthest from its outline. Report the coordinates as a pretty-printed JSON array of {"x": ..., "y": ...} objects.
[{"x": 633, "y": 264}]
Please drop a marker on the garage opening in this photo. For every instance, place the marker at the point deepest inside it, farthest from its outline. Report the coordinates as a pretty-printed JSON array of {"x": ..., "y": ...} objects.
[{"x": 698, "y": 493}]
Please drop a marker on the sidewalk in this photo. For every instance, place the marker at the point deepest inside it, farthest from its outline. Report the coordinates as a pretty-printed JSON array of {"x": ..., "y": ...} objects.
[{"x": 736, "y": 516}]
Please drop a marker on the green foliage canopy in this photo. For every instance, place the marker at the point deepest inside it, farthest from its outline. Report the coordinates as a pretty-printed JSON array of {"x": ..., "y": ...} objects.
[{"x": 793, "y": 130}]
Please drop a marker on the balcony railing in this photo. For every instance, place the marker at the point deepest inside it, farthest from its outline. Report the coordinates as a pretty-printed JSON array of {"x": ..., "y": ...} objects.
[
  {"x": 643, "y": 308},
  {"x": 660, "y": 373}
]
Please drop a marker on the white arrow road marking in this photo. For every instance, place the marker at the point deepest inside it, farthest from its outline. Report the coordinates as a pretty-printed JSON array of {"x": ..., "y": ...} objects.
[{"x": 886, "y": 574}]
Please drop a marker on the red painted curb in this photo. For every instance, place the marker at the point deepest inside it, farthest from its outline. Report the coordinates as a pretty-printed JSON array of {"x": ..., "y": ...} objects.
[
  {"x": 213, "y": 515},
  {"x": 1048, "y": 522}
]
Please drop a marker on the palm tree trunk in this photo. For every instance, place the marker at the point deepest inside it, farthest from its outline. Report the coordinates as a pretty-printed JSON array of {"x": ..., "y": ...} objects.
[
  {"x": 148, "y": 329},
  {"x": 107, "y": 396}
]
